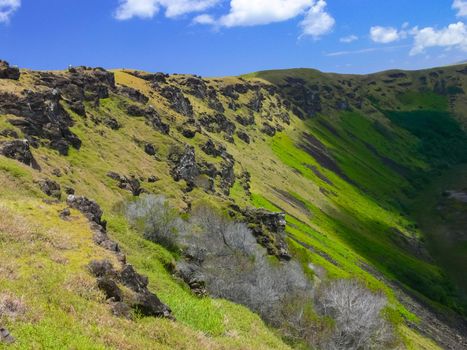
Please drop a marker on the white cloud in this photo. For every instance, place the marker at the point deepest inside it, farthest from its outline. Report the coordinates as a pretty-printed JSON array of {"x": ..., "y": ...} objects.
[
  {"x": 452, "y": 36},
  {"x": 384, "y": 35},
  {"x": 204, "y": 19},
  {"x": 257, "y": 12},
  {"x": 317, "y": 21},
  {"x": 461, "y": 7},
  {"x": 348, "y": 39},
  {"x": 244, "y": 13},
  {"x": 149, "y": 8},
  {"x": 7, "y": 8}
]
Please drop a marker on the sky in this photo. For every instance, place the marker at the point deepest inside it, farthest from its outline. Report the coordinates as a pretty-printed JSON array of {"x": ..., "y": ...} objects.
[{"x": 232, "y": 37}]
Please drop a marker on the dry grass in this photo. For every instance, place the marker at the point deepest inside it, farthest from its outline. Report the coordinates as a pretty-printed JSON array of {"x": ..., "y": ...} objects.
[{"x": 11, "y": 306}]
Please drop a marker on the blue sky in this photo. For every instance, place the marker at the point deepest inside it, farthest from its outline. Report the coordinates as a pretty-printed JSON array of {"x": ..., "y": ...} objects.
[{"x": 230, "y": 37}]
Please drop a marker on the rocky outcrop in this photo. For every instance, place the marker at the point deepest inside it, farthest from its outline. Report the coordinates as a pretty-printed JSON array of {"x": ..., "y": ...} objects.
[
  {"x": 177, "y": 100},
  {"x": 132, "y": 94},
  {"x": 227, "y": 174},
  {"x": 217, "y": 123},
  {"x": 185, "y": 166},
  {"x": 41, "y": 116},
  {"x": 19, "y": 150},
  {"x": 7, "y": 72},
  {"x": 89, "y": 208},
  {"x": 269, "y": 230}
]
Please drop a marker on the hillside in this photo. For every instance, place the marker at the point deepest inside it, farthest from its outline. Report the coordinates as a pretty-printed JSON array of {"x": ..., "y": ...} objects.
[{"x": 368, "y": 170}]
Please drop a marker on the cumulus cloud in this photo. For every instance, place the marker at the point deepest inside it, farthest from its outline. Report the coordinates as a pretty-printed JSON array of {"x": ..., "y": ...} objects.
[
  {"x": 317, "y": 22},
  {"x": 244, "y": 13},
  {"x": 149, "y": 8},
  {"x": 384, "y": 35},
  {"x": 348, "y": 39},
  {"x": 7, "y": 8},
  {"x": 452, "y": 36},
  {"x": 461, "y": 7}
]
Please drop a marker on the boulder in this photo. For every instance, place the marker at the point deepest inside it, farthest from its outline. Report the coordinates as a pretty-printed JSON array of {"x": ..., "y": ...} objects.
[
  {"x": 19, "y": 150},
  {"x": 112, "y": 123},
  {"x": 131, "y": 183},
  {"x": 101, "y": 268},
  {"x": 50, "y": 188},
  {"x": 149, "y": 149},
  {"x": 268, "y": 129},
  {"x": 110, "y": 288},
  {"x": 149, "y": 305},
  {"x": 7, "y": 72},
  {"x": 132, "y": 279},
  {"x": 243, "y": 136}
]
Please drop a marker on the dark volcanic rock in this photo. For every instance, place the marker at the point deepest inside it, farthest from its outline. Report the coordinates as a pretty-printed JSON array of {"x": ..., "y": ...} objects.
[
  {"x": 178, "y": 102},
  {"x": 245, "y": 121},
  {"x": 303, "y": 95},
  {"x": 41, "y": 115},
  {"x": 268, "y": 129},
  {"x": 131, "y": 183},
  {"x": 50, "y": 188},
  {"x": 211, "y": 149},
  {"x": 217, "y": 123},
  {"x": 269, "y": 230},
  {"x": 185, "y": 167},
  {"x": 7, "y": 72},
  {"x": 110, "y": 288},
  {"x": 133, "y": 280},
  {"x": 101, "y": 268},
  {"x": 20, "y": 151},
  {"x": 227, "y": 175},
  {"x": 151, "y": 77},
  {"x": 149, "y": 305},
  {"x": 151, "y": 115},
  {"x": 149, "y": 149},
  {"x": 112, "y": 123},
  {"x": 243, "y": 136},
  {"x": 88, "y": 207},
  {"x": 133, "y": 94}
]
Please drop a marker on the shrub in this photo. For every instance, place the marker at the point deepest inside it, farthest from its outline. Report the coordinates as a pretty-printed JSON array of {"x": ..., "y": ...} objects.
[
  {"x": 153, "y": 216},
  {"x": 358, "y": 317}
]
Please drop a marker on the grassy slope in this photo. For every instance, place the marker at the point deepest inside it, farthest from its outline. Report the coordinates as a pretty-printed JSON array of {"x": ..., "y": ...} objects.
[{"x": 347, "y": 227}]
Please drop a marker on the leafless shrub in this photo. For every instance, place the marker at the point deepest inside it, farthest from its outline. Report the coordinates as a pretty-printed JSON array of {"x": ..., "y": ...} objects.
[
  {"x": 153, "y": 216},
  {"x": 358, "y": 317}
]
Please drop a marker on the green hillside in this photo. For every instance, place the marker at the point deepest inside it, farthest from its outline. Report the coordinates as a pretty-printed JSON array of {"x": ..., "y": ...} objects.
[{"x": 357, "y": 163}]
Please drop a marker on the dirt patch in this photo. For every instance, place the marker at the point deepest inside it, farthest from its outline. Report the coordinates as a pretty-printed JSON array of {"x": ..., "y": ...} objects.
[{"x": 294, "y": 202}]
